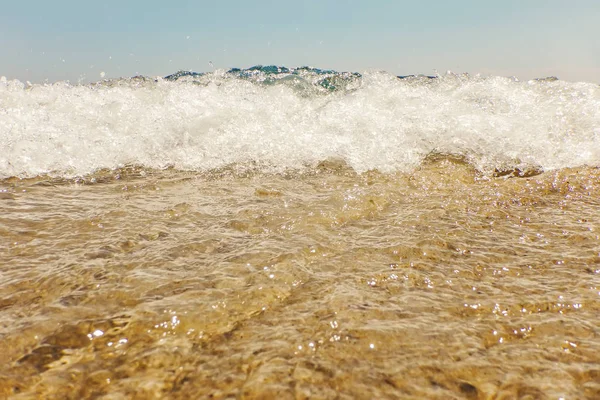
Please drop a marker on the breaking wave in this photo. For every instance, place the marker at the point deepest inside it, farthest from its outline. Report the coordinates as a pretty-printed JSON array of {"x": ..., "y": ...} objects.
[{"x": 282, "y": 118}]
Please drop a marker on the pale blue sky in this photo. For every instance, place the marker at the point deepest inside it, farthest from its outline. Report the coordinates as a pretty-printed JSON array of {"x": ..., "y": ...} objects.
[{"x": 69, "y": 39}]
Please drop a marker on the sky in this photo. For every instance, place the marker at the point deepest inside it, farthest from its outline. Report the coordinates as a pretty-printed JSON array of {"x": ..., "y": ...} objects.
[{"x": 84, "y": 41}]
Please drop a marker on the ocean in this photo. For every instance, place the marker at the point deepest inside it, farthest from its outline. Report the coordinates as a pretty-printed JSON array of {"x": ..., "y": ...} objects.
[{"x": 300, "y": 233}]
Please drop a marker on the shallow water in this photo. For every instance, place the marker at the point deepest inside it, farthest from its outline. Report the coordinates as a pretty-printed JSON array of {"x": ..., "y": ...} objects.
[
  {"x": 441, "y": 282},
  {"x": 300, "y": 233}
]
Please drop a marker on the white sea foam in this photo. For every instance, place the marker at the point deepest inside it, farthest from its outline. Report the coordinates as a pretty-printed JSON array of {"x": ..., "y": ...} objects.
[{"x": 379, "y": 121}]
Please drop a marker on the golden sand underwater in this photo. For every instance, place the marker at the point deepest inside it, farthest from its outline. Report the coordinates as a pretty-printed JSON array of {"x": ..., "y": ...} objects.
[{"x": 441, "y": 284}]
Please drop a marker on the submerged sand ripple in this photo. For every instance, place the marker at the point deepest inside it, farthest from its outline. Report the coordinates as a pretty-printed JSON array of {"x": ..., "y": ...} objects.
[{"x": 442, "y": 283}]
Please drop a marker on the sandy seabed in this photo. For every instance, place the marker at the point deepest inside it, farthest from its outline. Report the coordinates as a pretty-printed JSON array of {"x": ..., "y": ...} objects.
[{"x": 441, "y": 284}]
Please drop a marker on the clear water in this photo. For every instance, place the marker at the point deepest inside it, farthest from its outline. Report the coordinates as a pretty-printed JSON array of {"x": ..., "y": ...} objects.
[{"x": 300, "y": 234}]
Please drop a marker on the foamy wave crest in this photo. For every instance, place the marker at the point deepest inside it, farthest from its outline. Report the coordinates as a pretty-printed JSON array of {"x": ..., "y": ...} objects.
[{"x": 291, "y": 118}]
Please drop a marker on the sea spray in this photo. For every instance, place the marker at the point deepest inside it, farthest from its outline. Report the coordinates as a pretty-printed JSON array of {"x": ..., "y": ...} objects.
[{"x": 284, "y": 118}]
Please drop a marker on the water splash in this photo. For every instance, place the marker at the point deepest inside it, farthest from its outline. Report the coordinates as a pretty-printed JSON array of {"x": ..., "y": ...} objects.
[{"x": 286, "y": 118}]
